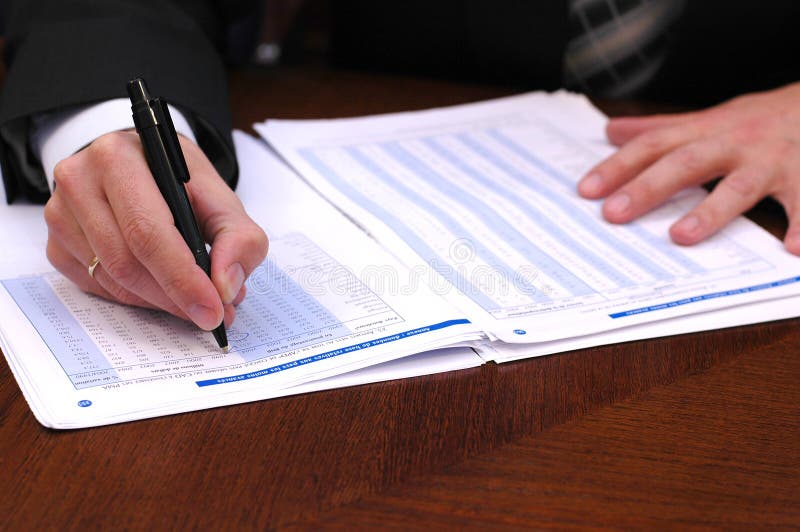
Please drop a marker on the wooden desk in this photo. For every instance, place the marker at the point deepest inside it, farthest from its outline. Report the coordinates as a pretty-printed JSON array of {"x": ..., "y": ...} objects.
[{"x": 698, "y": 430}]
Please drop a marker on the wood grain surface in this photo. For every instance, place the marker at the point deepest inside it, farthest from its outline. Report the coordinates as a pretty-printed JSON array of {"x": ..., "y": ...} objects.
[
  {"x": 692, "y": 431},
  {"x": 715, "y": 450}
]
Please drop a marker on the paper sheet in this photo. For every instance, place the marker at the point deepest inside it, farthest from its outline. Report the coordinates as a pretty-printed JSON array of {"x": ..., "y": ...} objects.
[
  {"x": 320, "y": 306},
  {"x": 746, "y": 314},
  {"x": 480, "y": 200}
]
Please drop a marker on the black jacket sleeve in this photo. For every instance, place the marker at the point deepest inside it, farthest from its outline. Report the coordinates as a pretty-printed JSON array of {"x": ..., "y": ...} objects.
[{"x": 62, "y": 53}]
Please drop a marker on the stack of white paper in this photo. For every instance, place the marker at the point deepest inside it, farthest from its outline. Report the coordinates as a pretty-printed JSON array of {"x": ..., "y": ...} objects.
[{"x": 481, "y": 197}]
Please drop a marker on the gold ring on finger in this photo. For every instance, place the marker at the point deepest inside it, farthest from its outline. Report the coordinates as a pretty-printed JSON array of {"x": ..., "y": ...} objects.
[{"x": 93, "y": 265}]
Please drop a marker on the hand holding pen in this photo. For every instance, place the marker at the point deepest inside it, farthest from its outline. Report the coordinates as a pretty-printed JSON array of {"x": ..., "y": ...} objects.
[{"x": 107, "y": 205}]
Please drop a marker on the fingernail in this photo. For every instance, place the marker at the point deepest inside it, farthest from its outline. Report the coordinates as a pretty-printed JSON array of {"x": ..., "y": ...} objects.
[
  {"x": 204, "y": 317},
  {"x": 618, "y": 203},
  {"x": 232, "y": 282},
  {"x": 688, "y": 225},
  {"x": 229, "y": 319},
  {"x": 240, "y": 296},
  {"x": 792, "y": 243},
  {"x": 591, "y": 184}
]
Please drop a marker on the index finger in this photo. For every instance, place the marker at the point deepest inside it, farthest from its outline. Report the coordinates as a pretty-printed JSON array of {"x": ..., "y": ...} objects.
[{"x": 635, "y": 157}]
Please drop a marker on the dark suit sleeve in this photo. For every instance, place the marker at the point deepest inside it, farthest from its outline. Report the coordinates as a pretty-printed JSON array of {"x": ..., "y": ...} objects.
[{"x": 62, "y": 53}]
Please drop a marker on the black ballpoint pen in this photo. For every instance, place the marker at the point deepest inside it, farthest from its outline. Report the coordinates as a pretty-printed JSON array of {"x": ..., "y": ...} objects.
[{"x": 166, "y": 162}]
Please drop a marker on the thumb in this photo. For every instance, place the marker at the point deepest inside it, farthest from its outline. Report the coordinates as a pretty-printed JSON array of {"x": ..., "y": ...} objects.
[
  {"x": 790, "y": 200},
  {"x": 792, "y": 239},
  {"x": 238, "y": 244}
]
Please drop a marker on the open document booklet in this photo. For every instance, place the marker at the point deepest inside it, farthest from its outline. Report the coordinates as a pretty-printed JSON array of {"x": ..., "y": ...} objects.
[{"x": 413, "y": 243}]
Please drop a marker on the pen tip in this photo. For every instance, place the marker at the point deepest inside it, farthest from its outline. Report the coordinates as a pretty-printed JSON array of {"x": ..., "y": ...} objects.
[{"x": 226, "y": 349}]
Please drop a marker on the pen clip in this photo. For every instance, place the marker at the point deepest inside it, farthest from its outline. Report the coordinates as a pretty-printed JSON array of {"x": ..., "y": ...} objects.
[{"x": 170, "y": 138}]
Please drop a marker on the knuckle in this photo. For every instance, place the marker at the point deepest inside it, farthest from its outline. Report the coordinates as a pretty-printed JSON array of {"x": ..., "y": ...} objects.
[
  {"x": 108, "y": 147},
  {"x": 690, "y": 158},
  {"x": 142, "y": 236},
  {"x": 651, "y": 142},
  {"x": 53, "y": 215},
  {"x": 66, "y": 175},
  {"x": 108, "y": 151},
  {"x": 256, "y": 239},
  {"x": 122, "y": 268},
  {"x": 743, "y": 184}
]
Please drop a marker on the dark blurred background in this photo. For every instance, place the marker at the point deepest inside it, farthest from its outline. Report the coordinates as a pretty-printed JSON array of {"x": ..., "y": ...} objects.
[{"x": 719, "y": 48}]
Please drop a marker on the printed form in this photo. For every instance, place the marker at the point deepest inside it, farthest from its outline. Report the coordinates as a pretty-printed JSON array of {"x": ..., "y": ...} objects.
[
  {"x": 323, "y": 304},
  {"x": 481, "y": 200}
]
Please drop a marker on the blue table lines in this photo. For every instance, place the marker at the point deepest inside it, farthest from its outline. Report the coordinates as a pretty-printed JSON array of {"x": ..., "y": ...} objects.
[
  {"x": 661, "y": 245},
  {"x": 332, "y": 354},
  {"x": 79, "y": 357},
  {"x": 453, "y": 275},
  {"x": 537, "y": 216},
  {"x": 587, "y": 223},
  {"x": 539, "y": 163},
  {"x": 703, "y": 297},
  {"x": 457, "y": 228},
  {"x": 281, "y": 311},
  {"x": 282, "y": 346},
  {"x": 97, "y": 342}
]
